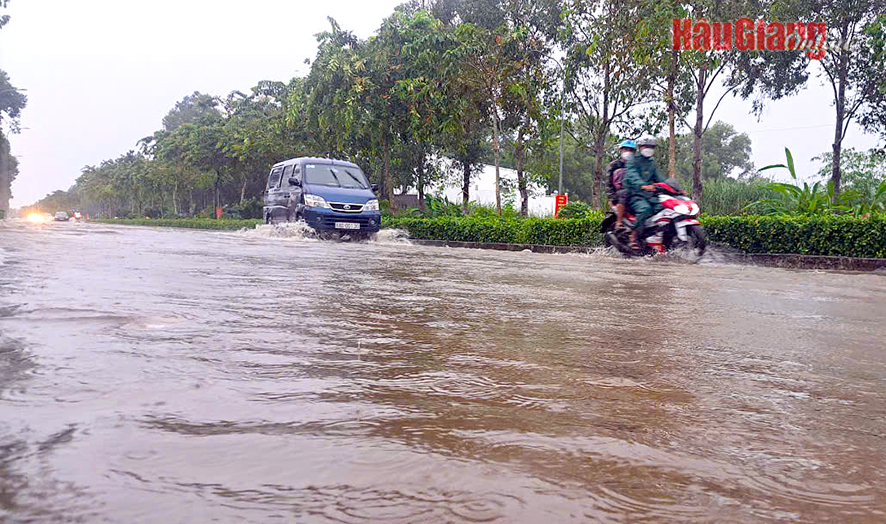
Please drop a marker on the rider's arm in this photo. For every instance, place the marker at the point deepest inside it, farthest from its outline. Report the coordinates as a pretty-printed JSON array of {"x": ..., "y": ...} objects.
[
  {"x": 656, "y": 175},
  {"x": 632, "y": 180}
]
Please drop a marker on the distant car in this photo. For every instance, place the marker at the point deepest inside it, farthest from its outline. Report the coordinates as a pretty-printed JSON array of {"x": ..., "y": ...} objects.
[
  {"x": 61, "y": 216},
  {"x": 329, "y": 195}
]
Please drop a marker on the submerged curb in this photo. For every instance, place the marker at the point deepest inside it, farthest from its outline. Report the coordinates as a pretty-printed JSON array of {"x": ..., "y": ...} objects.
[
  {"x": 813, "y": 261},
  {"x": 782, "y": 260},
  {"x": 535, "y": 248}
]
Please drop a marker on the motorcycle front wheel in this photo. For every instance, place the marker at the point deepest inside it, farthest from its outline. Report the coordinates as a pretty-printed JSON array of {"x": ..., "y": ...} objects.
[{"x": 697, "y": 239}]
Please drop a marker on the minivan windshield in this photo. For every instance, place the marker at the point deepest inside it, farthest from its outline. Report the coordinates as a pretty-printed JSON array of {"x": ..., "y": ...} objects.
[{"x": 335, "y": 176}]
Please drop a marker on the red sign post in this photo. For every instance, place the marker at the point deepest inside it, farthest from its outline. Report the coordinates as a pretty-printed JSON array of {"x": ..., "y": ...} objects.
[{"x": 560, "y": 201}]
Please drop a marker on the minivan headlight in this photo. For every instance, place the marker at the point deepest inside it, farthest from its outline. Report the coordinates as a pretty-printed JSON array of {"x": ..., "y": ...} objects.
[
  {"x": 315, "y": 201},
  {"x": 372, "y": 205}
]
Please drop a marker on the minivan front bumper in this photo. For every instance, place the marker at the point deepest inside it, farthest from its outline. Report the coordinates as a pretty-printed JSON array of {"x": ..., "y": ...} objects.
[{"x": 325, "y": 219}]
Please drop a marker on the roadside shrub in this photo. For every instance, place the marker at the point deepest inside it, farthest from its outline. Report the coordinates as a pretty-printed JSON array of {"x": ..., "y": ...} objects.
[
  {"x": 577, "y": 209},
  {"x": 805, "y": 235},
  {"x": 250, "y": 208},
  {"x": 566, "y": 232},
  {"x": 815, "y": 235},
  {"x": 728, "y": 196}
]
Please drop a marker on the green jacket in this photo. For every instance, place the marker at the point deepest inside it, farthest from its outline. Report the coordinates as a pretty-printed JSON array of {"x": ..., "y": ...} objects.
[{"x": 641, "y": 171}]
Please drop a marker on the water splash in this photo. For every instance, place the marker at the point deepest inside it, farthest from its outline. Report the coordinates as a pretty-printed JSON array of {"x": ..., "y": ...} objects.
[
  {"x": 391, "y": 236},
  {"x": 298, "y": 231}
]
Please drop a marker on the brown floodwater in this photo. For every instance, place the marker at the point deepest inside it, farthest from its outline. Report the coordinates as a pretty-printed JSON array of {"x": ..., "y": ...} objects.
[{"x": 157, "y": 375}]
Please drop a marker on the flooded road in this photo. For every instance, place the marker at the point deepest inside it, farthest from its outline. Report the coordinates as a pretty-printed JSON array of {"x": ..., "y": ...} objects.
[{"x": 157, "y": 375}]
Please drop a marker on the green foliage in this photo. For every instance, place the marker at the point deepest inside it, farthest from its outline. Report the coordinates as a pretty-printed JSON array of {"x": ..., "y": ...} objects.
[
  {"x": 728, "y": 196},
  {"x": 725, "y": 152},
  {"x": 805, "y": 235},
  {"x": 544, "y": 231},
  {"x": 188, "y": 223},
  {"x": 441, "y": 206},
  {"x": 251, "y": 208},
  {"x": 576, "y": 209},
  {"x": 794, "y": 199}
]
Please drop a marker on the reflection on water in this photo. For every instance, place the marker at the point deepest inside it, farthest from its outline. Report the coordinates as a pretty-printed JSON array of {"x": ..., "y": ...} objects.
[{"x": 184, "y": 376}]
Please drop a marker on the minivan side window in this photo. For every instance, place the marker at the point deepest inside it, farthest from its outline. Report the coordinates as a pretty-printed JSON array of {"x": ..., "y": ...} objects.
[
  {"x": 274, "y": 178},
  {"x": 287, "y": 172}
]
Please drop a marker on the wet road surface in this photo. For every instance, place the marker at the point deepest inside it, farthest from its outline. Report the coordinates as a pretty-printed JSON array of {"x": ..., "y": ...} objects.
[{"x": 157, "y": 375}]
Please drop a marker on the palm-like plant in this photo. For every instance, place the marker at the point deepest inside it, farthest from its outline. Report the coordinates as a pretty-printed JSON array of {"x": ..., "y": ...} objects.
[{"x": 794, "y": 199}]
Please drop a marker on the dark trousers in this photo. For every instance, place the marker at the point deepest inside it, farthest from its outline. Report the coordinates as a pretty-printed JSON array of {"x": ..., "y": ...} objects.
[{"x": 643, "y": 209}]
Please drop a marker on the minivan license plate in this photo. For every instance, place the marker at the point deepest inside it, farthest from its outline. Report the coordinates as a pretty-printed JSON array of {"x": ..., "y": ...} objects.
[{"x": 347, "y": 225}]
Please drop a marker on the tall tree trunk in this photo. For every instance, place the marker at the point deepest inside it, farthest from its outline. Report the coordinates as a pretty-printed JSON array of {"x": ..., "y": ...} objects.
[
  {"x": 466, "y": 186},
  {"x": 519, "y": 153},
  {"x": 217, "y": 184},
  {"x": 243, "y": 189},
  {"x": 5, "y": 149},
  {"x": 497, "y": 149},
  {"x": 672, "y": 117},
  {"x": 386, "y": 169},
  {"x": 191, "y": 202},
  {"x": 420, "y": 177},
  {"x": 842, "y": 73},
  {"x": 599, "y": 151},
  {"x": 696, "y": 135},
  {"x": 602, "y": 131},
  {"x": 174, "y": 199}
]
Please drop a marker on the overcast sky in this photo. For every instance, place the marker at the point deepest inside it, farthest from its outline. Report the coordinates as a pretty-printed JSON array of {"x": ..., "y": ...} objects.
[{"x": 101, "y": 74}]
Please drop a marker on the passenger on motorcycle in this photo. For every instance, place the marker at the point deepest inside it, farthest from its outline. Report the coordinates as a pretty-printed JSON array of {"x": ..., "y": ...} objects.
[
  {"x": 641, "y": 173},
  {"x": 618, "y": 194}
]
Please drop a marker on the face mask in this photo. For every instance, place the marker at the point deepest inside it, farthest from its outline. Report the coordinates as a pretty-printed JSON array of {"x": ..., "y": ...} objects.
[
  {"x": 647, "y": 152},
  {"x": 626, "y": 155}
]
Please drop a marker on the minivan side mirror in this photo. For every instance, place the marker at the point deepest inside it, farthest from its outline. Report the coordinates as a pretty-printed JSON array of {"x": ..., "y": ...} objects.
[
  {"x": 375, "y": 187},
  {"x": 294, "y": 182}
]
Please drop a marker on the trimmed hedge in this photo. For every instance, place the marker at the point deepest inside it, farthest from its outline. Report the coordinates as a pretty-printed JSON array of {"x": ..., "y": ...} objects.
[
  {"x": 189, "y": 223},
  {"x": 804, "y": 235},
  {"x": 827, "y": 235},
  {"x": 544, "y": 231},
  {"x": 824, "y": 235}
]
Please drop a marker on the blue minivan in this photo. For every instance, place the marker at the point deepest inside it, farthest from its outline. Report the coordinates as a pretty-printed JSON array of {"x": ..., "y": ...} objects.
[{"x": 329, "y": 195}]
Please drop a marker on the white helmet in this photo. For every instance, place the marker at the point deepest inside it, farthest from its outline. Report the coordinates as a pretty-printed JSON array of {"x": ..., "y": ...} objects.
[{"x": 647, "y": 141}]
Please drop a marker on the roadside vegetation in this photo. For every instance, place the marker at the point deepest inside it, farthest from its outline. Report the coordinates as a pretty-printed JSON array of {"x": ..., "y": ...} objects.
[
  {"x": 806, "y": 235},
  {"x": 446, "y": 85}
]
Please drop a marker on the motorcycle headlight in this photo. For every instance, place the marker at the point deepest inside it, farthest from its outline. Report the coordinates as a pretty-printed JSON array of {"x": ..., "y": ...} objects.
[
  {"x": 683, "y": 209},
  {"x": 694, "y": 209},
  {"x": 315, "y": 201},
  {"x": 372, "y": 205}
]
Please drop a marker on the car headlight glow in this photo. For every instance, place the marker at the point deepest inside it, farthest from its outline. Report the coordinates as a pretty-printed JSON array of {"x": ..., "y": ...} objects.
[
  {"x": 315, "y": 201},
  {"x": 683, "y": 209},
  {"x": 372, "y": 205}
]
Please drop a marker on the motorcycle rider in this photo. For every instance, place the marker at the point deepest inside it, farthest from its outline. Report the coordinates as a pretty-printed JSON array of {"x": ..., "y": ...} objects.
[
  {"x": 641, "y": 173},
  {"x": 618, "y": 194}
]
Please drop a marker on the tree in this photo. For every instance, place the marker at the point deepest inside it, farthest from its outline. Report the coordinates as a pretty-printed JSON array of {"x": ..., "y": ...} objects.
[
  {"x": 860, "y": 170},
  {"x": 853, "y": 65},
  {"x": 605, "y": 84},
  {"x": 671, "y": 68},
  {"x": 706, "y": 66},
  {"x": 487, "y": 61},
  {"x": 725, "y": 153},
  {"x": 12, "y": 102}
]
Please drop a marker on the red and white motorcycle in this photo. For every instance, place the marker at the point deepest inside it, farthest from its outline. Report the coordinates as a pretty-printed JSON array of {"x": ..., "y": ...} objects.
[{"x": 676, "y": 226}]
